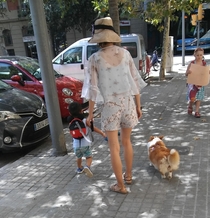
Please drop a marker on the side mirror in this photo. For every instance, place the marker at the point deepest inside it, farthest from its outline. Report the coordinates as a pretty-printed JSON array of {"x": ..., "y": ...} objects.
[
  {"x": 61, "y": 61},
  {"x": 17, "y": 78}
]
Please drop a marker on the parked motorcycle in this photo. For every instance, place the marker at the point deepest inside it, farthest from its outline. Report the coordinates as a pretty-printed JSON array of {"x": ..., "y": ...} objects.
[{"x": 155, "y": 62}]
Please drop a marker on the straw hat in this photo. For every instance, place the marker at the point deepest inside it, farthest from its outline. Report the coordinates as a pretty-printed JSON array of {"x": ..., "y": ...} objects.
[{"x": 103, "y": 31}]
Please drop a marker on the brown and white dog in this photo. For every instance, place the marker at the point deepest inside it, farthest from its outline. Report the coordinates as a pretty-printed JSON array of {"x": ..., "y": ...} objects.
[{"x": 163, "y": 159}]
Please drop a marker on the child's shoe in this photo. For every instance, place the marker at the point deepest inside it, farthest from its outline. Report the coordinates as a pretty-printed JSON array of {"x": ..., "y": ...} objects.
[
  {"x": 80, "y": 170},
  {"x": 87, "y": 171},
  {"x": 197, "y": 115}
]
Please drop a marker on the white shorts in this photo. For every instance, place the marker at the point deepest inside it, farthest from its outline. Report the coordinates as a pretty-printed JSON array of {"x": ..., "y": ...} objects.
[{"x": 119, "y": 114}]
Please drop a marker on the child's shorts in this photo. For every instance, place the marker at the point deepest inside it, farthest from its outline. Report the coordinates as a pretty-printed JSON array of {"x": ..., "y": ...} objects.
[{"x": 83, "y": 152}]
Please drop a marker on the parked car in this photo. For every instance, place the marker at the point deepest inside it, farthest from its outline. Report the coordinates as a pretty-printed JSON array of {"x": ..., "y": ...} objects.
[
  {"x": 23, "y": 118},
  {"x": 74, "y": 60},
  {"x": 24, "y": 73},
  {"x": 191, "y": 43}
]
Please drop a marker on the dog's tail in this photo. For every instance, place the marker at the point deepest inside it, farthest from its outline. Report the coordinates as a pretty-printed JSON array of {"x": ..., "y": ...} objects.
[{"x": 174, "y": 159}]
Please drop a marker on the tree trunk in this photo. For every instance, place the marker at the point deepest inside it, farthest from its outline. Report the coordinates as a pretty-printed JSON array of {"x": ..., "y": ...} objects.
[
  {"x": 114, "y": 14},
  {"x": 165, "y": 45}
]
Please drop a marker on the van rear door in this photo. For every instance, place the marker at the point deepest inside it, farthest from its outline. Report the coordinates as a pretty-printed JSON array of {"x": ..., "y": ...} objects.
[
  {"x": 132, "y": 48},
  {"x": 145, "y": 68}
]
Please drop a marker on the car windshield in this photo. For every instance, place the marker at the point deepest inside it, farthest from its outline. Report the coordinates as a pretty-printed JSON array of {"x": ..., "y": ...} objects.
[
  {"x": 4, "y": 86},
  {"x": 207, "y": 35},
  {"x": 33, "y": 68}
]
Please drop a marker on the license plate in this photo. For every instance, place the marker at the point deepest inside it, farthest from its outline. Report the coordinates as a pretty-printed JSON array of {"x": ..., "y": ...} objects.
[{"x": 41, "y": 124}]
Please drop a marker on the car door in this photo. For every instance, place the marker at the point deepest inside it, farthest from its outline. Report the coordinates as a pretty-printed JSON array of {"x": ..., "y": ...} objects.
[
  {"x": 71, "y": 63},
  {"x": 28, "y": 83}
]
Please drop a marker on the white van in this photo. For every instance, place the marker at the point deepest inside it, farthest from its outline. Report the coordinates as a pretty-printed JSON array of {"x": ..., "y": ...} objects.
[{"x": 73, "y": 61}]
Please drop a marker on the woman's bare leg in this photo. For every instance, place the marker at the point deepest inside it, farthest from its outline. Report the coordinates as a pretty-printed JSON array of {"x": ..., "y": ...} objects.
[
  {"x": 116, "y": 162},
  {"x": 128, "y": 151}
]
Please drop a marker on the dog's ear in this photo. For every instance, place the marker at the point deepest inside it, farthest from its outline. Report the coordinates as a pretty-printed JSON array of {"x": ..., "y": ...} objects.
[
  {"x": 151, "y": 138},
  {"x": 161, "y": 137}
]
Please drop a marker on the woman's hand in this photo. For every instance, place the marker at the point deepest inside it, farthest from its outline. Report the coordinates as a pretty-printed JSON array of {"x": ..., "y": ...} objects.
[
  {"x": 139, "y": 112},
  {"x": 89, "y": 119}
]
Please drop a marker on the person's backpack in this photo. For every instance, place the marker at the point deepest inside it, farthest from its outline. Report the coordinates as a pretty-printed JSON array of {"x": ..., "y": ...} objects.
[{"x": 77, "y": 128}]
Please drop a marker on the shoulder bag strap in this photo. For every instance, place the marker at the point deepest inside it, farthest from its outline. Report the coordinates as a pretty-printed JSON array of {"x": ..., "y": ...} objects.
[{"x": 83, "y": 132}]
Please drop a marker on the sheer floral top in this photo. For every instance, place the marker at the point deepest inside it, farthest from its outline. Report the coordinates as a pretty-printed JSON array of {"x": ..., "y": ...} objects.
[{"x": 111, "y": 73}]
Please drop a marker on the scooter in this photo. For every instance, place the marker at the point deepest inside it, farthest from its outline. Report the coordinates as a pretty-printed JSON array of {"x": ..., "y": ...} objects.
[{"x": 155, "y": 62}]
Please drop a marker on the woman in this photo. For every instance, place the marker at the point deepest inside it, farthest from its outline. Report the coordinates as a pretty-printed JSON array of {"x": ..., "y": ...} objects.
[{"x": 112, "y": 79}]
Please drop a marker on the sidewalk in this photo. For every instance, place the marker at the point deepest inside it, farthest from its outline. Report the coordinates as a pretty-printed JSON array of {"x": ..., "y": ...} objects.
[{"x": 39, "y": 185}]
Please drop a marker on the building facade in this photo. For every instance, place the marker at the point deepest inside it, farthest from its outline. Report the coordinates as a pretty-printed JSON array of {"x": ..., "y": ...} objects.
[{"x": 15, "y": 32}]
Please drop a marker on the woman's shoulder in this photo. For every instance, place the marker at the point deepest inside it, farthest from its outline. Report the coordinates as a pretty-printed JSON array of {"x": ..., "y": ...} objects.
[
  {"x": 124, "y": 50},
  {"x": 94, "y": 56}
]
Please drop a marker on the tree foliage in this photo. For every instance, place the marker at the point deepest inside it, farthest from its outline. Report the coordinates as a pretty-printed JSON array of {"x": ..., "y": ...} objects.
[
  {"x": 63, "y": 15},
  {"x": 103, "y": 8},
  {"x": 157, "y": 11}
]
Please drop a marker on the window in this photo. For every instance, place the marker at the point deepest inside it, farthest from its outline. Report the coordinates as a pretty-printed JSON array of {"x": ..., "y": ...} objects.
[
  {"x": 7, "y": 37},
  {"x": 3, "y": 6},
  {"x": 58, "y": 60},
  {"x": 6, "y": 71},
  {"x": 91, "y": 49},
  {"x": 11, "y": 52},
  {"x": 73, "y": 55},
  {"x": 23, "y": 8},
  {"x": 131, "y": 47}
]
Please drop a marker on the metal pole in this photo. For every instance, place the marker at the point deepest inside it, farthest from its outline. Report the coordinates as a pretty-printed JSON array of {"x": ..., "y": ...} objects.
[
  {"x": 50, "y": 91},
  {"x": 183, "y": 38}
]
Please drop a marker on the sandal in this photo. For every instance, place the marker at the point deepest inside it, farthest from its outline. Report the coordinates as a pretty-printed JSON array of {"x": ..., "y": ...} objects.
[
  {"x": 116, "y": 188},
  {"x": 127, "y": 179},
  {"x": 190, "y": 110},
  {"x": 197, "y": 115}
]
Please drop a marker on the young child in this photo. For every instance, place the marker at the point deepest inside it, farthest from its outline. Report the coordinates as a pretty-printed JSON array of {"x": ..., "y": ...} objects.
[
  {"x": 82, "y": 147},
  {"x": 195, "y": 94}
]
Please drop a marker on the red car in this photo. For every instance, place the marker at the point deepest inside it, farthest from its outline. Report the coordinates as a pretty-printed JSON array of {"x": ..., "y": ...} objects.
[{"x": 24, "y": 73}]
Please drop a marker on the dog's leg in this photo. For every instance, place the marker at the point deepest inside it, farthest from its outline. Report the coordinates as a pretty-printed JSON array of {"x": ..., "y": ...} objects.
[
  {"x": 170, "y": 175},
  {"x": 163, "y": 168},
  {"x": 163, "y": 176}
]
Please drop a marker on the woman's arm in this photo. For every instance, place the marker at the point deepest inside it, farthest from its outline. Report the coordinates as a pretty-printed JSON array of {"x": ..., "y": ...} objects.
[
  {"x": 138, "y": 106},
  {"x": 90, "y": 115}
]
